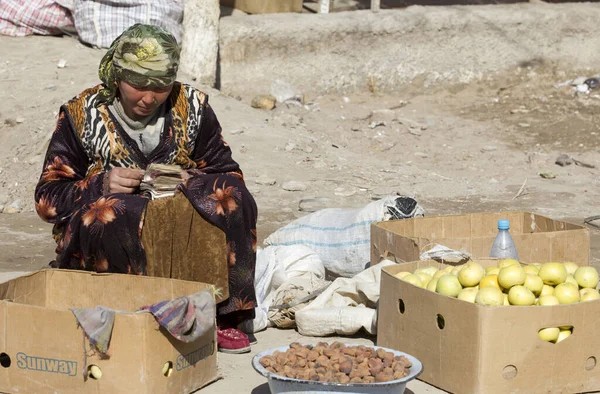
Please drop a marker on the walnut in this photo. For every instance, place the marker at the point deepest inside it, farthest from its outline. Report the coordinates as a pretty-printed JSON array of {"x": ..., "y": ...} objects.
[
  {"x": 384, "y": 377},
  {"x": 342, "y": 378},
  {"x": 267, "y": 361},
  {"x": 335, "y": 358},
  {"x": 321, "y": 371},
  {"x": 312, "y": 355},
  {"x": 302, "y": 353},
  {"x": 346, "y": 366},
  {"x": 375, "y": 366},
  {"x": 323, "y": 361},
  {"x": 338, "y": 345},
  {"x": 399, "y": 374},
  {"x": 369, "y": 379},
  {"x": 350, "y": 351}
]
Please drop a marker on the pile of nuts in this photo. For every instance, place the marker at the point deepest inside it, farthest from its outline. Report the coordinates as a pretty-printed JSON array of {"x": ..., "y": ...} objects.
[{"x": 337, "y": 363}]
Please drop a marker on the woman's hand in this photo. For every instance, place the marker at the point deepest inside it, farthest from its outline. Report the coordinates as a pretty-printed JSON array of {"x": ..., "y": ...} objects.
[{"x": 124, "y": 180}]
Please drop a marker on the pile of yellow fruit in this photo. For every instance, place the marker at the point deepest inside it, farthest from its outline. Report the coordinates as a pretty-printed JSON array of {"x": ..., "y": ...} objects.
[{"x": 512, "y": 283}]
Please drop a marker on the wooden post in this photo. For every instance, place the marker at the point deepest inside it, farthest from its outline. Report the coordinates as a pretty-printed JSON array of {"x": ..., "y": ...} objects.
[
  {"x": 324, "y": 6},
  {"x": 201, "y": 40},
  {"x": 375, "y": 5}
]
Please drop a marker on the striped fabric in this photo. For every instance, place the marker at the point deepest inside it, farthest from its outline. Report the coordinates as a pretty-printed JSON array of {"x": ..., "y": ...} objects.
[
  {"x": 186, "y": 318},
  {"x": 26, "y": 17},
  {"x": 99, "y": 22},
  {"x": 97, "y": 323}
]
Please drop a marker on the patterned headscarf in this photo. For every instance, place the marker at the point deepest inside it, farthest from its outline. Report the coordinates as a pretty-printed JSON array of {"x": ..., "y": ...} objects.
[{"x": 143, "y": 55}]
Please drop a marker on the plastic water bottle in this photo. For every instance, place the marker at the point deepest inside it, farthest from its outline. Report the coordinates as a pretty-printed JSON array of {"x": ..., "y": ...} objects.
[{"x": 503, "y": 246}]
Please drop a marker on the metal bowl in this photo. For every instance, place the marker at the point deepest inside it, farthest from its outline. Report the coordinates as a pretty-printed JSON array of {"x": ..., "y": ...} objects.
[{"x": 280, "y": 384}]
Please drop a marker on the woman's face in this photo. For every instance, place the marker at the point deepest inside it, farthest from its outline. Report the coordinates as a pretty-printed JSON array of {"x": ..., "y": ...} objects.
[{"x": 139, "y": 102}]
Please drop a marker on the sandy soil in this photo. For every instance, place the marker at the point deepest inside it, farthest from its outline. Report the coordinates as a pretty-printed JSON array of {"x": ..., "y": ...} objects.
[{"x": 456, "y": 149}]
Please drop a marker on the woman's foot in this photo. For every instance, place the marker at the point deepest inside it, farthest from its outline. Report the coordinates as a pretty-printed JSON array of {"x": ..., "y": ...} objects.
[{"x": 232, "y": 340}]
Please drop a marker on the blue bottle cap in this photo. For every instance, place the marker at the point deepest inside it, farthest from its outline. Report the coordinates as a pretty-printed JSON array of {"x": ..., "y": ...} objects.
[{"x": 503, "y": 224}]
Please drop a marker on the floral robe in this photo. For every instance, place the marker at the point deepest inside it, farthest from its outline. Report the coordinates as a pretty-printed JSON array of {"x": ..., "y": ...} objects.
[{"x": 101, "y": 232}]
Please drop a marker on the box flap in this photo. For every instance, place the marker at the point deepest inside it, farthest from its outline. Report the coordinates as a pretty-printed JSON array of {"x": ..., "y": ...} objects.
[
  {"x": 117, "y": 291},
  {"x": 26, "y": 289}
]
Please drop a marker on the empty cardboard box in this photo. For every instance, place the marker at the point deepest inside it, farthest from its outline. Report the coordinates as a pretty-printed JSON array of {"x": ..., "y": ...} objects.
[
  {"x": 42, "y": 349},
  {"x": 537, "y": 238},
  {"x": 467, "y": 348}
]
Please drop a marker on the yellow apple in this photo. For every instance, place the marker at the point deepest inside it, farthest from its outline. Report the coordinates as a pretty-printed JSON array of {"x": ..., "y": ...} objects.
[
  {"x": 588, "y": 294},
  {"x": 512, "y": 275},
  {"x": 489, "y": 296},
  {"x": 531, "y": 269},
  {"x": 570, "y": 267},
  {"x": 549, "y": 334},
  {"x": 439, "y": 273},
  {"x": 507, "y": 263},
  {"x": 492, "y": 270},
  {"x": 534, "y": 283},
  {"x": 413, "y": 279},
  {"x": 566, "y": 293},
  {"x": 428, "y": 270},
  {"x": 553, "y": 273},
  {"x": 489, "y": 280},
  {"x": 562, "y": 335},
  {"x": 520, "y": 296},
  {"x": 457, "y": 269},
  {"x": 571, "y": 280},
  {"x": 468, "y": 294},
  {"x": 471, "y": 275},
  {"x": 402, "y": 274},
  {"x": 586, "y": 277},
  {"x": 432, "y": 284},
  {"x": 547, "y": 290},
  {"x": 448, "y": 285},
  {"x": 548, "y": 300},
  {"x": 425, "y": 278}
]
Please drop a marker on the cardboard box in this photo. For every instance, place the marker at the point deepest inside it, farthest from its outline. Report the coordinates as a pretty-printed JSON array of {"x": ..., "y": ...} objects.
[
  {"x": 264, "y": 6},
  {"x": 181, "y": 244},
  {"x": 42, "y": 349},
  {"x": 537, "y": 238},
  {"x": 468, "y": 348}
]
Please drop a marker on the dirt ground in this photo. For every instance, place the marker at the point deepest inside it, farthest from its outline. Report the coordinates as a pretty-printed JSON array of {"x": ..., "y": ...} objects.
[{"x": 456, "y": 149}]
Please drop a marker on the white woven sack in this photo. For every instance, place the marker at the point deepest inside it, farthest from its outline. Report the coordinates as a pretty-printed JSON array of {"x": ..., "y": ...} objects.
[{"x": 340, "y": 237}]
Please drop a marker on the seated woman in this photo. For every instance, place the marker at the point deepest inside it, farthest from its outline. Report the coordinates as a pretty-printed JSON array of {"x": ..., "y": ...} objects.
[{"x": 104, "y": 139}]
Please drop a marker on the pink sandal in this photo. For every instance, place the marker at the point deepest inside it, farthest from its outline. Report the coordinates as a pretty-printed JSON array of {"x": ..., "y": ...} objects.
[{"x": 232, "y": 340}]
